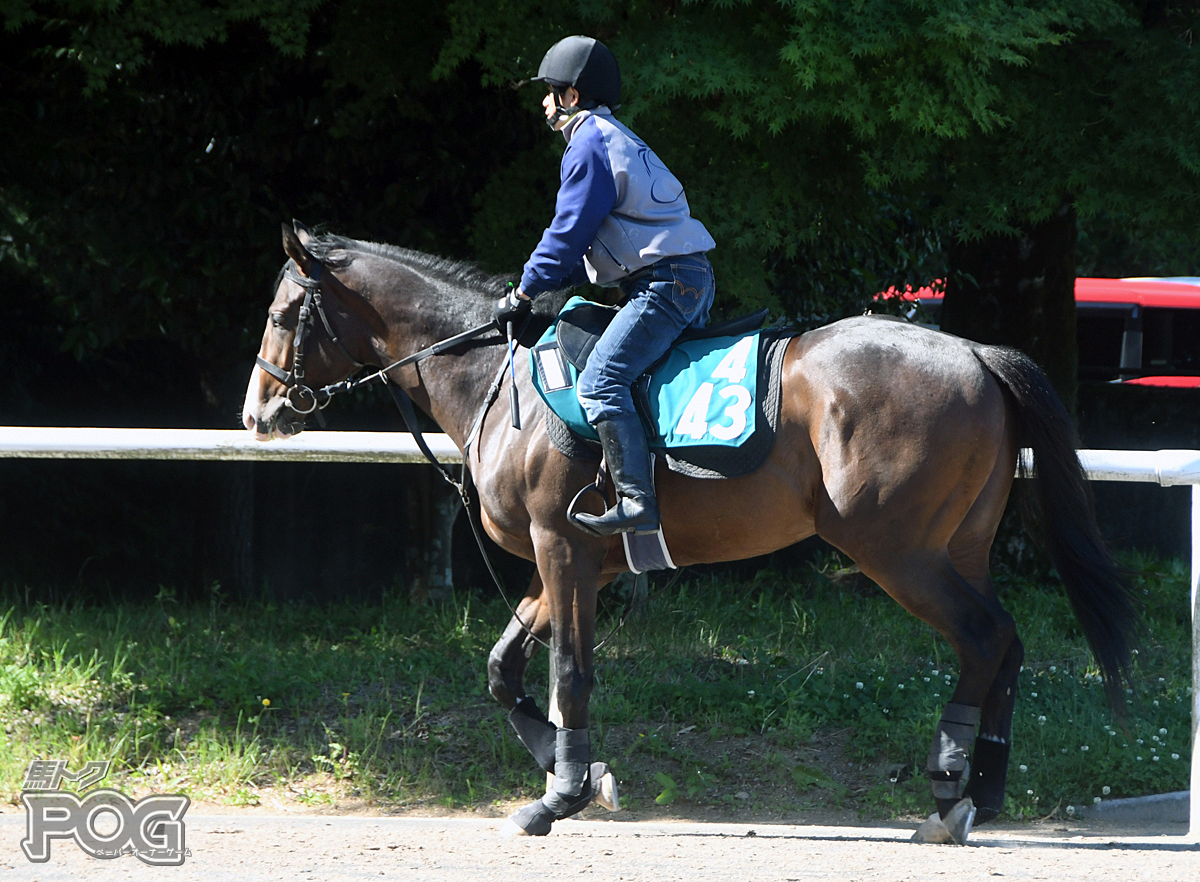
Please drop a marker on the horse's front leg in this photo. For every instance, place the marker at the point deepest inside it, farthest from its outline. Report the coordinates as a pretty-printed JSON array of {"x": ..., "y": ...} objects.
[
  {"x": 570, "y": 572},
  {"x": 506, "y": 674}
]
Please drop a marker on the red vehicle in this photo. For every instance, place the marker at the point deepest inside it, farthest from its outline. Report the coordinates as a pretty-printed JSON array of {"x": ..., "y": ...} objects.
[{"x": 1140, "y": 331}]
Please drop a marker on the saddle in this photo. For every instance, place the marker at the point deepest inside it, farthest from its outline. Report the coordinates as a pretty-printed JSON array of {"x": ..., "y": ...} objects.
[
  {"x": 709, "y": 407},
  {"x": 580, "y": 326}
]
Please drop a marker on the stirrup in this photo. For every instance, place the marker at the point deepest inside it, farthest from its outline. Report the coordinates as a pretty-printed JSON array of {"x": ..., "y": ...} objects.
[
  {"x": 614, "y": 521},
  {"x": 573, "y": 515}
]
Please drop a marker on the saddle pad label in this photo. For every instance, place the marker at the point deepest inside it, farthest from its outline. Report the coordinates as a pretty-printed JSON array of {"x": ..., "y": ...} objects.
[{"x": 552, "y": 368}]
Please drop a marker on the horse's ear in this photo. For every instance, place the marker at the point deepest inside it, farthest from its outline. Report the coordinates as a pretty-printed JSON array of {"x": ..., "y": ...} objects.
[
  {"x": 302, "y": 232},
  {"x": 295, "y": 250}
]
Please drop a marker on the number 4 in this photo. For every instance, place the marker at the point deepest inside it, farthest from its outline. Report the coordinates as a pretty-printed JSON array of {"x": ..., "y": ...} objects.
[
  {"x": 693, "y": 422},
  {"x": 733, "y": 365}
]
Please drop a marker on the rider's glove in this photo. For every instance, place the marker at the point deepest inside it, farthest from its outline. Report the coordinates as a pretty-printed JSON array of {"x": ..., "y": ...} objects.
[{"x": 510, "y": 308}]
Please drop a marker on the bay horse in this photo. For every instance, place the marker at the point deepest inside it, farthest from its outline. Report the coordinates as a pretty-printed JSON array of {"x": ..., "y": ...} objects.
[{"x": 896, "y": 444}]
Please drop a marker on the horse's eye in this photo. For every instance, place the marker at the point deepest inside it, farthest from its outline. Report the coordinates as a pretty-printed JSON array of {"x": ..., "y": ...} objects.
[{"x": 277, "y": 319}]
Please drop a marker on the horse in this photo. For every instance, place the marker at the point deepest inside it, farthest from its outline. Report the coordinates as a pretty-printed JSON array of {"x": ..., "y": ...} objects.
[{"x": 897, "y": 444}]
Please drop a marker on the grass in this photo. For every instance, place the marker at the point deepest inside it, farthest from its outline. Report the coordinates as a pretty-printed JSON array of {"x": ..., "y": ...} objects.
[{"x": 780, "y": 693}]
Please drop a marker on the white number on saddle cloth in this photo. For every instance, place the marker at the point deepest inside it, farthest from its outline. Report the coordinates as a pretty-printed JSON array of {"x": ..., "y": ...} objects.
[
  {"x": 693, "y": 422},
  {"x": 732, "y": 368},
  {"x": 736, "y": 413},
  {"x": 733, "y": 365}
]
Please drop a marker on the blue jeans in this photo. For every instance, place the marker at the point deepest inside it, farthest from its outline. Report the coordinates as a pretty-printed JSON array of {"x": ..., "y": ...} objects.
[{"x": 665, "y": 298}]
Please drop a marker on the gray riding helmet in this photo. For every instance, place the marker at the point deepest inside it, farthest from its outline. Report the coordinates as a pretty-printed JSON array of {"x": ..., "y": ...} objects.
[{"x": 587, "y": 65}]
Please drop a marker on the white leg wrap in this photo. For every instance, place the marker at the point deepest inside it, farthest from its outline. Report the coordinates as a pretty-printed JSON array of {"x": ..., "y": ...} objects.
[{"x": 948, "y": 767}]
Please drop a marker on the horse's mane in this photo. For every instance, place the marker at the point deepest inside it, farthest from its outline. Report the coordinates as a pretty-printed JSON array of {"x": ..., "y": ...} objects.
[{"x": 338, "y": 251}]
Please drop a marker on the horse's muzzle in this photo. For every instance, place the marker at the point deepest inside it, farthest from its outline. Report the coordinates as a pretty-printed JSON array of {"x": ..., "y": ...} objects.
[{"x": 278, "y": 423}]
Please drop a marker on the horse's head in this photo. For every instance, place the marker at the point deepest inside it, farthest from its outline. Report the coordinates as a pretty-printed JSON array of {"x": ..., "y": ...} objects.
[{"x": 299, "y": 354}]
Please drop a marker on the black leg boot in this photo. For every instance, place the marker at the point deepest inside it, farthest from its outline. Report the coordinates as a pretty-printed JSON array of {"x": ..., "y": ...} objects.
[
  {"x": 988, "y": 774},
  {"x": 628, "y": 458},
  {"x": 534, "y": 731},
  {"x": 570, "y": 792}
]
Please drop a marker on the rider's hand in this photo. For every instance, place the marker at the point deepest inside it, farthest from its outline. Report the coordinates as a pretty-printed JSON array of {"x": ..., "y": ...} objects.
[{"x": 510, "y": 308}]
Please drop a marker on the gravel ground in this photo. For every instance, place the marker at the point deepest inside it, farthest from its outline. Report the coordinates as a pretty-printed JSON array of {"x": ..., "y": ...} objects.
[{"x": 253, "y": 846}]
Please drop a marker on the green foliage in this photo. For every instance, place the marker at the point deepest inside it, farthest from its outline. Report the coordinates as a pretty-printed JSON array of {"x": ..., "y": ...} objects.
[
  {"x": 834, "y": 149},
  {"x": 149, "y": 209},
  {"x": 105, "y": 37},
  {"x": 803, "y": 130}
]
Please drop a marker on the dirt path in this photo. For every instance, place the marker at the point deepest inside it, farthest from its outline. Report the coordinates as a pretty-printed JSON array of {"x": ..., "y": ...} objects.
[{"x": 254, "y": 846}]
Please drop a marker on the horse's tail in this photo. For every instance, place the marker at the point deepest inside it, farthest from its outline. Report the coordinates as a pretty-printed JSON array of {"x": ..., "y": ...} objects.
[{"x": 1096, "y": 588}]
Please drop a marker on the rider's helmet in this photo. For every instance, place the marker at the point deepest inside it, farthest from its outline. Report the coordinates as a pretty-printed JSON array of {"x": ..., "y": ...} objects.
[{"x": 588, "y": 66}]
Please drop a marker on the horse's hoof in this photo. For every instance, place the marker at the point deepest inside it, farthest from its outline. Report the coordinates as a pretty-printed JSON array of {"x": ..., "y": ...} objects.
[
  {"x": 604, "y": 787},
  {"x": 932, "y": 830},
  {"x": 532, "y": 820},
  {"x": 960, "y": 820},
  {"x": 509, "y": 830}
]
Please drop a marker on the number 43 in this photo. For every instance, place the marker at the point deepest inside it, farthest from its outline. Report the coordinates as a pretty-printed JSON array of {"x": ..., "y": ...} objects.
[{"x": 694, "y": 422}]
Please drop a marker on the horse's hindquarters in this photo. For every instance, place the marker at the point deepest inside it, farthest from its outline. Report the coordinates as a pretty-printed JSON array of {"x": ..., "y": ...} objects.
[{"x": 908, "y": 429}]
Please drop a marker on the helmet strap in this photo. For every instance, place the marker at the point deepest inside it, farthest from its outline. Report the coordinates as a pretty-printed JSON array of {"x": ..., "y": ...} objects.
[{"x": 561, "y": 114}]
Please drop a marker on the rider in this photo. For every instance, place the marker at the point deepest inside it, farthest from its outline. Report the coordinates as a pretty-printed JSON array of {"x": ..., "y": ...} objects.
[{"x": 621, "y": 219}]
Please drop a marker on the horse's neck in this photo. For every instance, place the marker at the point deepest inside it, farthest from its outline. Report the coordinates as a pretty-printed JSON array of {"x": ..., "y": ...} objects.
[
  {"x": 453, "y": 388},
  {"x": 450, "y": 387}
]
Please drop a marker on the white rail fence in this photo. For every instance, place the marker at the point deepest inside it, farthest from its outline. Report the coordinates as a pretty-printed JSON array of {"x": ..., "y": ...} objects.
[{"x": 1165, "y": 467}]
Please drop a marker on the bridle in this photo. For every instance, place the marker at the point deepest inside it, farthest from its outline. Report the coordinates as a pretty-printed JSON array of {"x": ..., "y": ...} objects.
[{"x": 293, "y": 380}]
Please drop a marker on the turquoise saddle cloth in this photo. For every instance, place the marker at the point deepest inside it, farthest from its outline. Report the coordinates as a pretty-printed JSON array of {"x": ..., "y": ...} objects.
[{"x": 701, "y": 394}]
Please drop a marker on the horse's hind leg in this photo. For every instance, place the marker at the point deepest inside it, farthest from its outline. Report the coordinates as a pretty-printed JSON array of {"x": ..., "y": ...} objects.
[
  {"x": 989, "y": 757},
  {"x": 970, "y": 551},
  {"x": 979, "y": 631}
]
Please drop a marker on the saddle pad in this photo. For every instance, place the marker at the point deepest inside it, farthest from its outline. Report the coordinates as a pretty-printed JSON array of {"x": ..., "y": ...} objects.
[
  {"x": 709, "y": 462},
  {"x": 702, "y": 394}
]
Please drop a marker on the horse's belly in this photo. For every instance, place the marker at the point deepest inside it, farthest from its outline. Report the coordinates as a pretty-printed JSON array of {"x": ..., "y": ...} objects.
[{"x": 708, "y": 521}]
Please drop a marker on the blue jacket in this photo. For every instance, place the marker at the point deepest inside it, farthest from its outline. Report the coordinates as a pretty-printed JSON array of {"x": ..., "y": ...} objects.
[{"x": 619, "y": 209}]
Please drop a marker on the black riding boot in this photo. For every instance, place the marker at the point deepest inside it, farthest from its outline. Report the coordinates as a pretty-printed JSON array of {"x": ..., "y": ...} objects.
[{"x": 628, "y": 458}]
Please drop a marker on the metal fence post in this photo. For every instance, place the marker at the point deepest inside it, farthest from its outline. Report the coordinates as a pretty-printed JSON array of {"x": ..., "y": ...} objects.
[{"x": 1194, "y": 799}]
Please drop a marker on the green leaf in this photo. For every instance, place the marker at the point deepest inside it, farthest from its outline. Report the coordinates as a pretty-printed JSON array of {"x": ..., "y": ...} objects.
[
  {"x": 806, "y": 777},
  {"x": 670, "y": 789}
]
